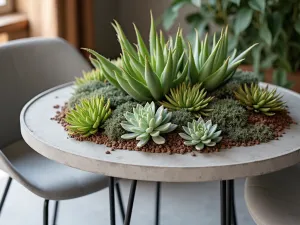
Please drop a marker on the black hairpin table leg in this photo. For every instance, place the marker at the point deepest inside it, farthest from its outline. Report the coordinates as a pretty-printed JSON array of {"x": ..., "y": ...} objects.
[
  {"x": 228, "y": 214},
  {"x": 112, "y": 201},
  {"x": 157, "y": 203},
  {"x": 130, "y": 203}
]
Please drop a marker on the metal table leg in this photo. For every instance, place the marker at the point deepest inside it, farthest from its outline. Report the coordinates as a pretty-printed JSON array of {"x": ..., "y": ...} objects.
[
  {"x": 228, "y": 213},
  {"x": 130, "y": 203},
  {"x": 112, "y": 201},
  {"x": 157, "y": 203}
]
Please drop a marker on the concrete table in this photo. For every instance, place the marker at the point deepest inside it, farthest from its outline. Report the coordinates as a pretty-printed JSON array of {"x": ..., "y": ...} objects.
[{"x": 51, "y": 140}]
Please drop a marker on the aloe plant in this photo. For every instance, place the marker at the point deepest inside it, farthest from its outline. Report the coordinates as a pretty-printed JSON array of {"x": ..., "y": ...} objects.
[
  {"x": 146, "y": 123},
  {"x": 189, "y": 97},
  {"x": 88, "y": 116},
  {"x": 215, "y": 67},
  {"x": 146, "y": 74}
]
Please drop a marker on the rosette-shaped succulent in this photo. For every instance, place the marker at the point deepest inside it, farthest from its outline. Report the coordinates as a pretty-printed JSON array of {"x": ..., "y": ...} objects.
[
  {"x": 146, "y": 123},
  {"x": 214, "y": 67},
  {"x": 201, "y": 134},
  {"x": 88, "y": 116},
  {"x": 259, "y": 99},
  {"x": 189, "y": 97},
  {"x": 93, "y": 75},
  {"x": 146, "y": 74}
]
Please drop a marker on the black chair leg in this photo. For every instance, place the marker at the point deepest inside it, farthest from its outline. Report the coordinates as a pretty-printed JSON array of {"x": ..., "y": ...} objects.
[
  {"x": 5, "y": 193},
  {"x": 55, "y": 212},
  {"x": 121, "y": 205},
  {"x": 46, "y": 212}
]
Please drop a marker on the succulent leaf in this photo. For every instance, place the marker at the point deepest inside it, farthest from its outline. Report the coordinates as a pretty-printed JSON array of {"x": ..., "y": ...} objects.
[
  {"x": 201, "y": 134},
  {"x": 259, "y": 99},
  {"x": 189, "y": 97},
  {"x": 146, "y": 122},
  {"x": 88, "y": 116},
  {"x": 93, "y": 75}
]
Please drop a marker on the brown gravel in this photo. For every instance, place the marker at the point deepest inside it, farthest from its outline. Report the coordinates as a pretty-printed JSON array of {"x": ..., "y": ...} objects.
[{"x": 174, "y": 143}]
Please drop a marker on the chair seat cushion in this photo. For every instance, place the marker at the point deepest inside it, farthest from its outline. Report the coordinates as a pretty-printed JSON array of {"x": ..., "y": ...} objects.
[
  {"x": 49, "y": 179},
  {"x": 274, "y": 199}
]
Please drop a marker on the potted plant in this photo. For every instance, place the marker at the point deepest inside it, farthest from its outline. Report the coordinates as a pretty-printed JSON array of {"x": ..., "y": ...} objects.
[
  {"x": 170, "y": 94},
  {"x": 273, "y": 24}
]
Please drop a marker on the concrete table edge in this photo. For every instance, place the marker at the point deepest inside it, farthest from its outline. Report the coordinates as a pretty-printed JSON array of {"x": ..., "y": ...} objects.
[{"x": 172, "y": 173}]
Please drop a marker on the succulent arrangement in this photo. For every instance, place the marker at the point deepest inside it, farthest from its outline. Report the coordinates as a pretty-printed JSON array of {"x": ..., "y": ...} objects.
[{"x": 169, "y": 95}]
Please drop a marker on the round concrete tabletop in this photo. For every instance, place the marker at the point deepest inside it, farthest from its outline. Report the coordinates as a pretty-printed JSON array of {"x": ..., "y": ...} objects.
[{"x": 51, "y": 140}]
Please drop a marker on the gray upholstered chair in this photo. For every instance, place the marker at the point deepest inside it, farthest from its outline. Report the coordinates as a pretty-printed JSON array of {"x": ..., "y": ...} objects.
[
  {"x": 28, "y": 67},
  {"x": 274, "y": 199}
]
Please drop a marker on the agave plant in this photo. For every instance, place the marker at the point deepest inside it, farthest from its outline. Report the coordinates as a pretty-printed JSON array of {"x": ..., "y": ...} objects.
[
  {"x": 93, "y": 75},
  {"x": 259, "y": 99},
  {"x": 146, "y": 74},
  {"x": 88, "y": 116},
  {"x": 214, "y": 67},
  {"x": 201, "y": 134},
  {"x": 145, "y": 123},
  {"x": 190, "y": 97}
]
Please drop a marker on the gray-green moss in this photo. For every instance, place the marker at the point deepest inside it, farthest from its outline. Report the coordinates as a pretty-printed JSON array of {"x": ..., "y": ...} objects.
[
  {"x": 228, "y": 113},
  {"x": 89, "y": 87},
  {"x": 251, "y": 132},
  {"x": 181, "y": 118},
  {"x": 112, "y": 127}
]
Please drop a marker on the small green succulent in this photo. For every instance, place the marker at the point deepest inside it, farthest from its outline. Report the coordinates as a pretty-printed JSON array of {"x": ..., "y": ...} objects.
[
  {"x": 214, "y": 67},
  {"x": 259, "y": 99},
  {"x": 88, "y": 116},
  {"x": 93, "y": 75},
  {"x": 201, "y": 134},
  {"x": 146, "y": 74},
  {"x": 117, "y": 62},
  {"x": 192, "y": 98},
  {"x": 145, "y": 123}
]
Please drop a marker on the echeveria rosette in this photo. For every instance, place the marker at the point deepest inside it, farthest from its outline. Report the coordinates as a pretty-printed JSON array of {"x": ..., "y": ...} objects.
[
  {"x": 189, "y": 97},
  {"x": 87, "y": 116},
  {"x": 145, "y": 123},
  {"x": 200, "y": 134},
  {"x": 146, "y": 74},
  {"x": 259, "y": 99},
  {"x": 213, "y": 68}
]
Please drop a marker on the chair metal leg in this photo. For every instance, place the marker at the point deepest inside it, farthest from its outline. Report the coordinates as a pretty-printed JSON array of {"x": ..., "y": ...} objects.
[
  {"x": 119, "y": 196},
  {"x": 112, "y": 201},
  {"x": 223, "y": 201},
  {"x": 46, "y": 212},
  {"x": 130, "y": 203},
  {"x": 55, "y": 212},
  {"x": 5, "y": 193},
  {"x": 157, "y": 203}
]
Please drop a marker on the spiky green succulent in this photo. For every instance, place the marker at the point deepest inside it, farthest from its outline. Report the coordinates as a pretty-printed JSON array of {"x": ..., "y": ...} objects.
[
  {"x": 213, "y": 67},
  {"x": 146, "y": 74},
  {"x": 146, "y": 123},
  {"x": 189, "y": 97},
  {"x": 117, "y": 62},
  {"x": 260, "y": 99},
  {"x": 93, "y": 75},
  {"x": 87, "y": 116},
  {"x": 200, "y": 134}
]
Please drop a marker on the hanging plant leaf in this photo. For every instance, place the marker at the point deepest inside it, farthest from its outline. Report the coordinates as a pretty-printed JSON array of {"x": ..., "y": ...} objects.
[
  {"x": 258, "y": 5},
  {"x": 265, "y": 34},
  {"x": 243, "y": 19}
]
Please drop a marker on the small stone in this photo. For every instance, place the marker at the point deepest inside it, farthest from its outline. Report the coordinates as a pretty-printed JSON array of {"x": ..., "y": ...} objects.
[{"x": 107, "y": 152}]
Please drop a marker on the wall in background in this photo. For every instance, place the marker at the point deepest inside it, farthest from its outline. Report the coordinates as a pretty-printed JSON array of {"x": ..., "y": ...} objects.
[{"x": 126, "y": 12}]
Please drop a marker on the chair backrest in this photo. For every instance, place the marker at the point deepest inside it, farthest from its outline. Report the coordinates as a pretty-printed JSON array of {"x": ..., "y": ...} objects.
[{"x": 28, "y": 67}]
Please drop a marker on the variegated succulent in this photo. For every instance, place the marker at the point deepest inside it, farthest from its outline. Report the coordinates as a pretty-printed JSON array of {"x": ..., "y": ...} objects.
[
  {"x": 146, "y": 74},
  {"x": 146, "y": 123},
  {"x": 93, "y": 75},
  {"x": 87, "y": 116},
  {"x": 260, "y": 99},
  {"x": 190, "y": 97},
  {"x": 200, "y": 134},
  {"x": 215, "y": 67}
]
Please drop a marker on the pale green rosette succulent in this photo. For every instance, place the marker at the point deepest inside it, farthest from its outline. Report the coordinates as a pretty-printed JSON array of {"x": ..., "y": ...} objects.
[
  {"x": 146, "y": 123},
  {"x": 201, "y": 134}
]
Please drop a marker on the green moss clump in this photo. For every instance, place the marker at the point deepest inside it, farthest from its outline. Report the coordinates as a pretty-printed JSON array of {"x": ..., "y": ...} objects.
[
  {"x": 89, "y": 87},
  {"x": 112, "y": 127},
  {"x": 252, "y": 132},
  {"x": 240, "y": 77},
  {"x": 228, "y": 113},
  {"x": 181, "y": 118},
  {"x": 116, "y": 96}
]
